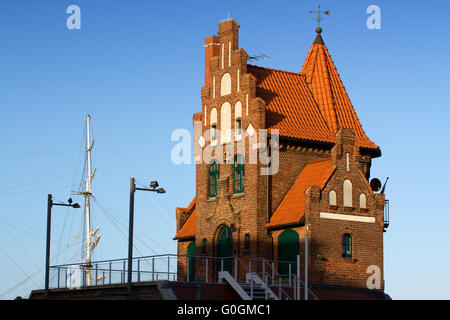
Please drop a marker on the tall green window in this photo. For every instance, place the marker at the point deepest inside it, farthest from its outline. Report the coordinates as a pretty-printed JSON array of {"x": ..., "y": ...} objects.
[
  {"x": 247, "y": 242},
  {"x": 346, "y": 246},
  {"x": 239, "y": 165},
  {"x": 213, "y": 178},
  {"x": 191, "y": 261},
  {"x": 205, "y": 246}
]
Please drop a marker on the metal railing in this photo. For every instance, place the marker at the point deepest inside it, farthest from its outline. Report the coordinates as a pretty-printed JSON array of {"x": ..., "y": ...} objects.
[
  {"x": 268, "y": 270},
  {"x": 148, "y": 268},
  {"x": 166, "y": 267}
]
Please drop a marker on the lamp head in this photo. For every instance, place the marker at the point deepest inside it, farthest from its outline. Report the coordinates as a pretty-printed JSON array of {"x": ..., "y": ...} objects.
[
  {"x": 161, "y": 190},
  {"x": 154, "y": 184}
]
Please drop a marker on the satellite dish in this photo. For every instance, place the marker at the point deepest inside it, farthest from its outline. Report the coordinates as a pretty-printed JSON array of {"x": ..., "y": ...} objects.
[{"x": 375, "y": 184}]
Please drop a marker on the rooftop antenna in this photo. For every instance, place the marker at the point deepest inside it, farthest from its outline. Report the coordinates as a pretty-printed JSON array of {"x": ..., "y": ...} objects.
[
  {"x": 384, "y": 186},
  {"x": 319, "y": 15},
  {"x": 257, "y": 57}
]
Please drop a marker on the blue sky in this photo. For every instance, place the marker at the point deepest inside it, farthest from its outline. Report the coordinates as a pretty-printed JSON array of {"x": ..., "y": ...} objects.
[{"x": 137, "y": 68}]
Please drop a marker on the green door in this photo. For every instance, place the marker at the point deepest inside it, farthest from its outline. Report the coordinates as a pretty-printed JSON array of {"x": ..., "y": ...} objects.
[
  {"x": 225, "y": 249},
  {"x": 191, "y": 261},
  {"x": 287, "y": 252}
]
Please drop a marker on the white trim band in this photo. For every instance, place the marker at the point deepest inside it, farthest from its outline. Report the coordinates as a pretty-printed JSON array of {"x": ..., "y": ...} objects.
[{"x": 346, "y": 217}]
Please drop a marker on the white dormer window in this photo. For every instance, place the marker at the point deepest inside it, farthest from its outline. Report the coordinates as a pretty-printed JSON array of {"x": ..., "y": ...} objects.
[{"x": 347, "y": 186}]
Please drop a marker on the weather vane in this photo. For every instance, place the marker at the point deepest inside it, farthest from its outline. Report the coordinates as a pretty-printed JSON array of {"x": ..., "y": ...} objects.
[{"x": 319, "y": 16}]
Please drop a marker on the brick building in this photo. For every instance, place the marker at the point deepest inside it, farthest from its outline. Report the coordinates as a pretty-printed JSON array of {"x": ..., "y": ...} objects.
[{"x": 320, "y": 186}]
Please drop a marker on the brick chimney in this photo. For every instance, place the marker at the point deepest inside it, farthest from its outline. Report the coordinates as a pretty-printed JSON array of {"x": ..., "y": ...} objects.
[{"x": 212, "y": 49}]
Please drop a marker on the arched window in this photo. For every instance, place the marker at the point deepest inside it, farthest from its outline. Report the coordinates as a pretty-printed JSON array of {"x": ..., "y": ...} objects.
[
  {"x": 332, "y": 198},
  {"x": 213, "y": 178},
  {"x": 225, "y": 84},
  {"x": 348, "y": 193},
  {"x": 225, "y": 123},
  {"x": 362, "y": 201},
  {"x": 346, "y": 246},
  {"x": 239, "y": 167}
]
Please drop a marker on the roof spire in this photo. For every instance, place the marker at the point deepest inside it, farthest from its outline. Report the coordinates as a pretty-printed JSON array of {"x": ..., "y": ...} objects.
[{"x": 318, "y": 39}]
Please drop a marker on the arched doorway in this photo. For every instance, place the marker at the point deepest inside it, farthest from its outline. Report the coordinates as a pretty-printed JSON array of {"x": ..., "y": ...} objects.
[
  {"x": 287, "y": 252},
  {"x": 224, "y": 249},
  {"x": 191, "y": 261}
]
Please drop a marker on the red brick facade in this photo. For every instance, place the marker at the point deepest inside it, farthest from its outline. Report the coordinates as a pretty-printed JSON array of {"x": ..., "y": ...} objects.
[{"x": 249, "y": 213}]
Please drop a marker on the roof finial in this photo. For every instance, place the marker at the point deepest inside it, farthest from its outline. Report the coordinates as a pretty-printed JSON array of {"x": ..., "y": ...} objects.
[{"x": 319, "y": 17}]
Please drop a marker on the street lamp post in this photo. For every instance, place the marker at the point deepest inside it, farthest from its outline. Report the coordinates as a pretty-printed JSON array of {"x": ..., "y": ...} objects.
[
  {"x": 153, "y": 187},
  {"x": 50, "y": 204}
]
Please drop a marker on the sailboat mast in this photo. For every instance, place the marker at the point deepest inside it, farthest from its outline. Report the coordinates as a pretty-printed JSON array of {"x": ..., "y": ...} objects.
[{"x": 87, "y": 195}]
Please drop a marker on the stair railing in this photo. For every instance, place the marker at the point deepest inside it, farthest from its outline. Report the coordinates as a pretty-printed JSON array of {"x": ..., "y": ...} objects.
[{"x": 271, "y": 276}]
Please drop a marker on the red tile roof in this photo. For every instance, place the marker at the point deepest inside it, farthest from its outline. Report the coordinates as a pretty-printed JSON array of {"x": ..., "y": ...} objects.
[
  {"x": 292, "y": 208},
  {"x": 328, "y": 90},
  {"x": 188, "y": 228},
  {"x": 311, "y": 105},
  {"x": 290, "y": 106}
]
